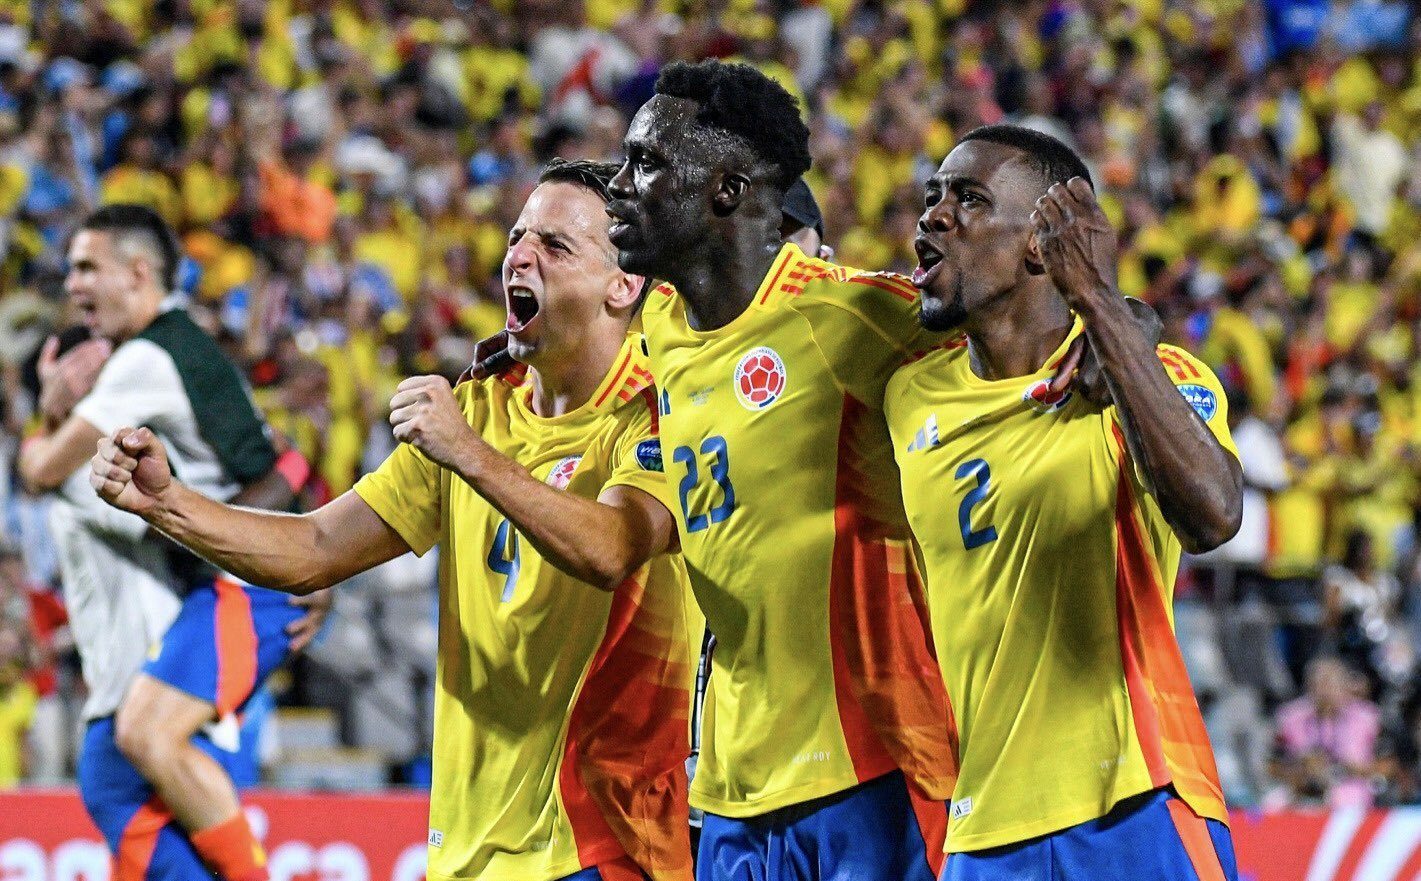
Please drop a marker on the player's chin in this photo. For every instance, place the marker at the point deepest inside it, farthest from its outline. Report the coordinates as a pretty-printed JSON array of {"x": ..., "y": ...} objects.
[
  {"x": 524, "y": 347},
  {"x": 940, "y": 313},
  {"x": 638, "y": 257}
]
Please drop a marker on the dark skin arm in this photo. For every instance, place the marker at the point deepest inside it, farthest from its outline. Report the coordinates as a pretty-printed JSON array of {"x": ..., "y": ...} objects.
[{"x": 1197, "y": 483}]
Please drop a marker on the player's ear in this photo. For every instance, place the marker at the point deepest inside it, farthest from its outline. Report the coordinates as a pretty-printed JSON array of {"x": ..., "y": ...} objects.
[
  {"x": 730, "y": 192},
  {"x": 1035, "y": 265},
  {"x": 625, "y": 290}
]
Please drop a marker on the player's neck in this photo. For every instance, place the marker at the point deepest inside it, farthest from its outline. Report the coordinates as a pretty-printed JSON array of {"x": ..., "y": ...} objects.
[
  {"x": 720, "y": 287},
  {"x": 561, "y": 385},
  {"x": 1014, "y": 334}
]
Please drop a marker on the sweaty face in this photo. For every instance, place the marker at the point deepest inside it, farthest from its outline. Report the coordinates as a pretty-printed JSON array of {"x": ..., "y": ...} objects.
[
  {"x": 975, "y": 231},
  {"x": 558, "y": 271},
  {"x": 105, "y": 288},
  {"x": 661, "y": 197}
]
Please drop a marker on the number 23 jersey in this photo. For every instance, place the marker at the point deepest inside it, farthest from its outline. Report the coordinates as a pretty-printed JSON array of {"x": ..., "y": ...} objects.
[
  {"x": 794, "y": 535},
  {"x": 1050, "y": 579}
]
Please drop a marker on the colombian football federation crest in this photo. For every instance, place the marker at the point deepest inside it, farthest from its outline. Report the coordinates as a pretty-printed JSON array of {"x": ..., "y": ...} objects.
[
  {"x": 562, "y": 472},
  {"x": 760, "y": 378},
  {"x": 1042, "y": 399}
]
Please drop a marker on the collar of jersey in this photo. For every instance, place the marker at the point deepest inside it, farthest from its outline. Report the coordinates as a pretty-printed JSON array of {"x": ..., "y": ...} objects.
[
  {"x": 971, "y": 378},
  {"x": 604, "y": 398},
  {"x": 788, "y": 255}
]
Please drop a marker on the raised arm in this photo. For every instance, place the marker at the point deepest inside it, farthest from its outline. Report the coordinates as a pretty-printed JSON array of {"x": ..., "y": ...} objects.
[
  {"x": 295, "y": 553},
  {"x": 1196, "y": 481},
  {"x": 600, "y": 542}
]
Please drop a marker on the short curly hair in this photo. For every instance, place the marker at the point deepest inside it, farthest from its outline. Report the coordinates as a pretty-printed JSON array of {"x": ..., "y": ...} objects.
[
  {"x": 595, "y": 176},
  {"x": 1056, "y": 162},
  {"x": 743, "y": 102}
]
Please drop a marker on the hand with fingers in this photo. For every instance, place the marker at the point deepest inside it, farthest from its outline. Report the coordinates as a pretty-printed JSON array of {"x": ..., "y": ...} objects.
[
  {"x": 1078, "y": 244},
  {"x": 306, "y": 628},
  {"x": 130, "y": 470},
  {"x": 66, "y": 379},
  {"x": 490, "y": 358},
  {"x": 426, "y": 416},
  {"x": 1080, "y": 369}
]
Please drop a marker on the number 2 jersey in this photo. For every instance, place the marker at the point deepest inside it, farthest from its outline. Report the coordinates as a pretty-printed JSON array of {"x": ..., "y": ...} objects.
[
  {"x": 795, "y": 538},
  {"x": 561, "y": 711},
  {"x": 1050, "y": 580}
]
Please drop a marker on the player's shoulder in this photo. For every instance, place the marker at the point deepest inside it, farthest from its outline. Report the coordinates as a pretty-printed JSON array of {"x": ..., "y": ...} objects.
[
  {"x": 814, "y": 280},
  {"x": 929, "y": 362},
  {"x": 632, "y": 390},
  {"x": 659, "y": 300},
  {"x": 1194, "y": 379}
]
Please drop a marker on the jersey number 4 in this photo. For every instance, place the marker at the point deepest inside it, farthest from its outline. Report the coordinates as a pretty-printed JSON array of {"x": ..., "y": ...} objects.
[
  {"x": 503, "y": 558},
  {"x": 974, "y": 538},
  {"x": 719, "y": 472}
]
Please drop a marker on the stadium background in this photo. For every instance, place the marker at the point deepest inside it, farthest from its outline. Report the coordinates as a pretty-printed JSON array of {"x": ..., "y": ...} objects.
[{"x": 343, "y": 173}]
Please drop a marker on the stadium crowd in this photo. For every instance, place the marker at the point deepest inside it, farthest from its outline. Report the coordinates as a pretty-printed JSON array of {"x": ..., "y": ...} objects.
[{"x": 343, "y": 174}]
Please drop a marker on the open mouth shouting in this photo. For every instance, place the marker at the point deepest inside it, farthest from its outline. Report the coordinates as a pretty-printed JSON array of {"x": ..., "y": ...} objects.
[
  {"x": 620, "y": 218},
  {"x": 929, "y": 262},
  {"x": 523, "y": 308}
]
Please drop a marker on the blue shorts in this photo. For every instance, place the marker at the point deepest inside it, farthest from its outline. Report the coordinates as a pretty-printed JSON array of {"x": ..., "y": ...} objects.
[
  {"x": 227, "y": 638},
  {"x": 622, "y": 869},
  {"x": 1154, "y": 835},
  {"x": 877, "y": 831},
  {"x": 143, "y": 837}
]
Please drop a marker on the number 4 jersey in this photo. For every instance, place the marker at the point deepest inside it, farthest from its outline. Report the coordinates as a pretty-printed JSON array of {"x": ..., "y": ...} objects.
[
  {"x": 1050, "y": 575},
  {"x": 795, "y": 538},
  {"x": 561, "y": 712}
]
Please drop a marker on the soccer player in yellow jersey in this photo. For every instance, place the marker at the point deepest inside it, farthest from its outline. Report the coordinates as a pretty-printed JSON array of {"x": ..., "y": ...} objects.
[
  {"x": 827, "y": 741},
  {"x": 561, "y": 727},
  {"x": 1052, "y": 527}
]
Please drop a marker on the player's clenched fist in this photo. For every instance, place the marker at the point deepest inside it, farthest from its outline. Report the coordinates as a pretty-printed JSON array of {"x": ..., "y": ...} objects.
[
  {"x": 130, "y": 471},
  {"x": 426, "y": 416},
  {"x": 1078, "y": 244}
]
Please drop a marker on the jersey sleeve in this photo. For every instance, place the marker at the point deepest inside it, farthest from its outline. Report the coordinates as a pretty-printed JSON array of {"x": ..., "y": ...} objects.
[
  {"x": 865, "y": 325},
  {"x": 1202, "y": 389},
  {"x": 636, "y": 455},
  {"x": 406, "y": 491},
  {"x": 137, "y": 386}
]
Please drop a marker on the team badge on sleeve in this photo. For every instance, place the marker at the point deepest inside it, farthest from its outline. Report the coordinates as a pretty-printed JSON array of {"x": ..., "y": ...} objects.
[
  {"x": 1201, "y": 398},
  {"x": 561, "y": 474},
  {"x": 648, "y": 455},
  {"x": 759, "y": 378}
]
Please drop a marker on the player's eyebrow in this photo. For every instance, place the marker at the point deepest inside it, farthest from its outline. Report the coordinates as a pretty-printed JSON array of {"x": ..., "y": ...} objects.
[{"x": 960, "y": 181}]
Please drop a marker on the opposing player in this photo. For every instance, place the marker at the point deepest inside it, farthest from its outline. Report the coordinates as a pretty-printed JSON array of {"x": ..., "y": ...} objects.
[
  {"x": 827, "y": 745},
  {"x": 561, "y": 709},
  {"x": 1052, "y": 527},
  {"x": 161, "y": 792}
]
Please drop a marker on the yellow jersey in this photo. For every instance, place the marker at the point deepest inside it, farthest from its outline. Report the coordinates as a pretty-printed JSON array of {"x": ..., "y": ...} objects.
[
  {"x": 561, "y": 711},
  {"x": 793, "y": 531},
  {"x": 1050, "y": 581}
]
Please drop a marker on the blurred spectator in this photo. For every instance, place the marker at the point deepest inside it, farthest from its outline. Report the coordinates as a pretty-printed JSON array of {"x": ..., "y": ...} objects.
[
  {"x": 48, "y": 636},
  {"x": 1327, "y": 740},
  {"x": 17, "y": 700}
]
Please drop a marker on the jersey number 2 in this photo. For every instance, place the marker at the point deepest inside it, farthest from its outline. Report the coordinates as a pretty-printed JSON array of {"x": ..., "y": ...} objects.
[
  {"x": 720, "y": 473},
  {"x": 503, "y": 558},
  {"x": 974, "y": 538}
]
